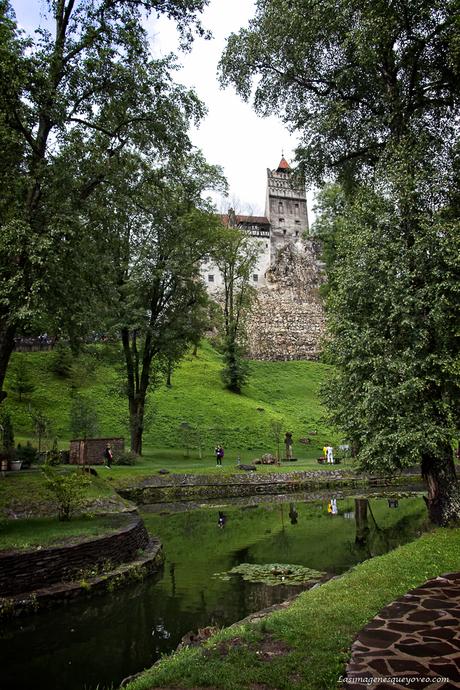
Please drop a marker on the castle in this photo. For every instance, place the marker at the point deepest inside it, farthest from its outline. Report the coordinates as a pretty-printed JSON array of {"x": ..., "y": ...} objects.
[{"x": 287, "y": 320}]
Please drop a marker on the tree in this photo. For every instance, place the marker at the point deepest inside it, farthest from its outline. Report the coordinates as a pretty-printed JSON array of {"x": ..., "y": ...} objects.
[
  {"x": 41, "y": 425},
  {"x": 372, "y": 90},
  {"x": 349, "y": 78},
  {"x": 21, "y": 381},
  {"x": 235, "y": 255},
  {"x": 276, "y": 428},
  {"x": 84, "y": 421},
  {"x": 165, "y": 230},
  {"x": 72, "y": 103}
]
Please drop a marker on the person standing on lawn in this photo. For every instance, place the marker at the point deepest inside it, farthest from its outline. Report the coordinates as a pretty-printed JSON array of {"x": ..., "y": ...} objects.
[{"x": 108, "y": 456}]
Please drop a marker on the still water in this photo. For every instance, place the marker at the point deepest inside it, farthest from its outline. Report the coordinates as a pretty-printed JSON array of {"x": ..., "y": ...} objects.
[{"x": 97, "y": 642}]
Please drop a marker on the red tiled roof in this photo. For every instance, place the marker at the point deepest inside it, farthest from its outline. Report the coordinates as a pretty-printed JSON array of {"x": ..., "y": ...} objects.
[
  {"x": 283, "y": 164},
  {"x": 249, "y": 220}
]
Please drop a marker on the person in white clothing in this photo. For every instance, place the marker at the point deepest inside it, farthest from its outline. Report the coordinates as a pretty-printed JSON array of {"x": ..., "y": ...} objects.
[{"x": 330, "y": 455}]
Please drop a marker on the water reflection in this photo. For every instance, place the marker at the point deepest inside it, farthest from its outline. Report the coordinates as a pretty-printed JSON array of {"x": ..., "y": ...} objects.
[{"x": 100, "y": 641}]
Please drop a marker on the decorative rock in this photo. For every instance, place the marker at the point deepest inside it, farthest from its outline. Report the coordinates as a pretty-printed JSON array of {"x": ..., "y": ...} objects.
[{"x": 269, "y": 459}]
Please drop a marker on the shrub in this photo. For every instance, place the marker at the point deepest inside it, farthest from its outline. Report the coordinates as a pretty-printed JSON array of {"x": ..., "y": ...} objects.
[
  {"x": 21, "y": 381},
  {"x": 7, "y": 433},
  {"x": 125, "y": 458},
  {"x": 54, "y": 456},
  {"x": 27, "y": 453},
  {"x": 67, "y": 488},
  {"x": 61, "y": 360},
  {"x": 84, "y": 420}
]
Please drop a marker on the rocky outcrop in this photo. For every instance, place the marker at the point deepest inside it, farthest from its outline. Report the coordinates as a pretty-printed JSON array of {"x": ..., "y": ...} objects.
[{"x": 287, "y": 320}]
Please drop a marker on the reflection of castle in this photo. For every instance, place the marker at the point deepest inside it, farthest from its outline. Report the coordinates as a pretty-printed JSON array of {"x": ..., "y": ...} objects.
[
  {"x": 287, "y": 320},
  {"x": 285, "y": 222}
]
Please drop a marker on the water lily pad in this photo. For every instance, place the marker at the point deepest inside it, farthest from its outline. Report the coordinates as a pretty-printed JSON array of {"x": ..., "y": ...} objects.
[{"x": 276, "y": 573}]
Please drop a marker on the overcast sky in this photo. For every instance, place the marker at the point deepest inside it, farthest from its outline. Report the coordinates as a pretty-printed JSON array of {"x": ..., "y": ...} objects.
[{"x": 231, "y": 135}]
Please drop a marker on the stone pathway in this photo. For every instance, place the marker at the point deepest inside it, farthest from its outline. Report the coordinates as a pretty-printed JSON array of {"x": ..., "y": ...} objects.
[{"x": 416, "y": 639}]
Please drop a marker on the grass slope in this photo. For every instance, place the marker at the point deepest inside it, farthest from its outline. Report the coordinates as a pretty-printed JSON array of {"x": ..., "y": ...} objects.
[
  {"x": 286, "y": 391},
  {"x": 316, "y": 631}
]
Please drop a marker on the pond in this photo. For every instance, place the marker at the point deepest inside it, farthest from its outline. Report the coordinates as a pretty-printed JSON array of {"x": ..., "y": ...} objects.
[{"x": 97, "y": 642}]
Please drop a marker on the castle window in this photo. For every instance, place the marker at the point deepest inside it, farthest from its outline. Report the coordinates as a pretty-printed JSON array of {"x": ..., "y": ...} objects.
[
  {"x": 281, "y": 220},
  {"x": 284, "y": 231},
  {"x": 210, "y": 278},
  {"x": 266, "y": 245},
  {"x": 255, "y": 277},
  {"x": 296, "y": 210},
  {"x": 280, "y": 207},
  {"x": 296, "y": 233}
]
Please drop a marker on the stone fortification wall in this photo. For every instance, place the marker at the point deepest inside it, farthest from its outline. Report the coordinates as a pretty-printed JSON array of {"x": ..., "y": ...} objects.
[
  {"x": 287, "y": 321},
  {"x": 23, "y": 571}
]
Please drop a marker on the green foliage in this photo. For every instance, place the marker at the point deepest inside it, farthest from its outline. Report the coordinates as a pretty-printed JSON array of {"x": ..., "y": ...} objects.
[
  {"x": 83, "y": 422},
  {"x": 236, "y": 371},
  {"x": 285, "y": 390},
  {"x": 61, "y": 360},
  {"x": 27, "y": 454},
  {"x": 125, "y": 458},
  {"x": 235, "y": 255},
  {"x": 162, "y": 305},
  {"x": 41, "y": 426},
  {"x": 21, "y": 380},
  {"x": 276, "y": 573},
  {"x": 351, "y": 78},
  {"x": 373, "y": 92},
  {"x": 393, "y": 312},
  {"x": 7, "y": 433},
  {"x": 53, "y": 457},
  {"x": 89, "y": 84},
  {"x": 67, "y": 489}
]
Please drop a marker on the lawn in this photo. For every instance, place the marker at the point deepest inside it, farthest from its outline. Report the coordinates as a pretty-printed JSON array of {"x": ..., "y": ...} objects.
[
  {"x": 285, "y": 391},
  {"x": 315, "y": 633},
  {"x": 24, "y": 534},
  {"x": 24, "y": 494}
]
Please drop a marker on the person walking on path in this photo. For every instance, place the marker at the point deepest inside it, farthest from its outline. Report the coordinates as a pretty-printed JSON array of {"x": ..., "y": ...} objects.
[{"x": 108, "y": 456}]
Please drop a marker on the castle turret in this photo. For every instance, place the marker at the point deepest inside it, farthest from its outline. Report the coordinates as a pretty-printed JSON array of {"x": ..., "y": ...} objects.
[{"x": 286, "y": 207}]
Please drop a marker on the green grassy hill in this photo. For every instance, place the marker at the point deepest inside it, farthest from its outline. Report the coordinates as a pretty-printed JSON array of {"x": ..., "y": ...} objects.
[{"x": 287, "y": 391}]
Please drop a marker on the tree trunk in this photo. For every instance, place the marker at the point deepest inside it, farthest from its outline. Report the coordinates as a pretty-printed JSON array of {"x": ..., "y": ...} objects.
[
  {"x": 168, "y": 375},
  {"x": 7, "y": 334},
  {"x": 443, "y": 500},
  {"x": 362, "y": 526},
  {"x": 136, "y": 414}
]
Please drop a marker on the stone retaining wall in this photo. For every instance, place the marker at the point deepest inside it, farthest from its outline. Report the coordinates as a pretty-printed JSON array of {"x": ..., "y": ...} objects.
[
  {"x": 23, "y": 571},
  {"x": 186, "y": 487}
]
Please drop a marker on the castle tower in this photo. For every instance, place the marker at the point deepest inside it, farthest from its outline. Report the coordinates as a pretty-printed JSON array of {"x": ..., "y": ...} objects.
[{"x": 285, "y": 207}]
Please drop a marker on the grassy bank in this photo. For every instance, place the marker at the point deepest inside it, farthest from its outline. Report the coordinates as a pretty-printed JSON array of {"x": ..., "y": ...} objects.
[
  {"x": 312, "y": 638},
  {"x": 25, "y": 495},
  {"x": 25, "y": 534},
  {"x": 286, "y": 391}
]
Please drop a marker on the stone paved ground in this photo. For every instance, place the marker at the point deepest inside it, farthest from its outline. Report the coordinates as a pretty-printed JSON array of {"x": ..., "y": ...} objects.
[{"x": 415, "y": 639}]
